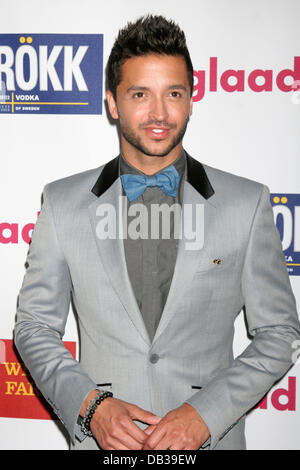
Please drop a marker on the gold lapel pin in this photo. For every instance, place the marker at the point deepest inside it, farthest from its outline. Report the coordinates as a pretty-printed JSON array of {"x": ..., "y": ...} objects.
[{"x": 217, "y": 261}]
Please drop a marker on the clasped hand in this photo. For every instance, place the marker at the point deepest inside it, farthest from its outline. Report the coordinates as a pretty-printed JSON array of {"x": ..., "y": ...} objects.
[
  {"x": 114, "y": 428},
  {"x": 181, "y": 429}
]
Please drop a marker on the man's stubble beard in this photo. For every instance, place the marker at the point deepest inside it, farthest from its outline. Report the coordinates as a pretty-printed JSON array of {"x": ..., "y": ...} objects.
[{"x": 130, "y": 136}]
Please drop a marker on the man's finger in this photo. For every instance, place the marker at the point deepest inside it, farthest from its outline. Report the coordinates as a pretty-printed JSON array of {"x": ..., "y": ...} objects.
[
  {"x": 114, "y": 444},
  {"x": 130, "y": 442},
  {"x": 149, "y": 430},
  {"x": 143, "y": 415},
  {"x": 163, "y": 444},
  {"x": 156, "y": 436},
  {"x": 134, "y": 431}
]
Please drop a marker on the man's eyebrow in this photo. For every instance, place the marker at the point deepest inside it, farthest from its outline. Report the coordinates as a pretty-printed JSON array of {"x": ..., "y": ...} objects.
[
  {"x": 144, "y": 88},
  {"x": 178, "y": 87},
  {"x": 137, "y": 88}
]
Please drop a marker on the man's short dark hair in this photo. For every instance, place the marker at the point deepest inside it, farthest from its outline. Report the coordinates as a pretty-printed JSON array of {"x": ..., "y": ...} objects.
[{"x": 148, "y": 35}]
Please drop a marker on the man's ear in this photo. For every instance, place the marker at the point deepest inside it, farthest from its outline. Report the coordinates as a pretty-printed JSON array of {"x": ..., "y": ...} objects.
[{"x": 112, "y": 105}]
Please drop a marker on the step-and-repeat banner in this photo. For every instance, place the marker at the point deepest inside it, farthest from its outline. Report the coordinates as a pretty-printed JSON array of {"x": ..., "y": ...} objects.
[{"x": 54, "y": 122}]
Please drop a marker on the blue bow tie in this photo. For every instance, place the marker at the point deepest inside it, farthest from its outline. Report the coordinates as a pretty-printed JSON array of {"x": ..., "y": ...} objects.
[{"x": 135, "y": 185}]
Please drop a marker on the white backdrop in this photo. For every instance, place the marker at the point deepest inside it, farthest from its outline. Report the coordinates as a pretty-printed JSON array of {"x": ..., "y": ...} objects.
[{"x": 249, "y": 133}]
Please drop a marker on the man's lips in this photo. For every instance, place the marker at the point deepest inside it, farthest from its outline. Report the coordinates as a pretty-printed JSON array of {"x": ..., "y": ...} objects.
[{"x": 157, "y": 132}]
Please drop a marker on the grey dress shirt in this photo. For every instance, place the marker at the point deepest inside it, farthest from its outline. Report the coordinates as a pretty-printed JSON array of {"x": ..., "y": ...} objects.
[{"x": 151, "y": 261}]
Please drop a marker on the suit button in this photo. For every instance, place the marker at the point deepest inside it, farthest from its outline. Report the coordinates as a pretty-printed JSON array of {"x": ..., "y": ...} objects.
[{"x": 154, "y": 358}]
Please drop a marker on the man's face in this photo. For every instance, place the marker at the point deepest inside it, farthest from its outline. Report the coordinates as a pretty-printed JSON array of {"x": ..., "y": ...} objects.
[{"x": 153, "y": 104}]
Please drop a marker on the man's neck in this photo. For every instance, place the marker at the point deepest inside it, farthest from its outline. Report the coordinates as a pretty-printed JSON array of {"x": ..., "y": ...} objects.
[{"x": 151, "y": 164}]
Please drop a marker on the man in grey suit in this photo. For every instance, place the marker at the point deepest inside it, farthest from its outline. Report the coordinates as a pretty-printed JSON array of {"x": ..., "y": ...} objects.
[{"x": 155, "y": 313}]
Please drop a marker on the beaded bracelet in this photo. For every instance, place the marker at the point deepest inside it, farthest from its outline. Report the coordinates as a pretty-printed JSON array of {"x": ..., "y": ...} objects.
[{"x": 90, "y": 410}]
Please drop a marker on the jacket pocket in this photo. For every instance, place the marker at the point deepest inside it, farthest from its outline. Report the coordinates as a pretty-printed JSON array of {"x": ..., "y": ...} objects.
[{"x": 106, "y": 385}]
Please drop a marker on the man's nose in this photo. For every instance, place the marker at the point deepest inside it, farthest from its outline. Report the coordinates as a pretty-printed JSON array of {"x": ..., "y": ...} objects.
[{"x": 158, "y": 110}]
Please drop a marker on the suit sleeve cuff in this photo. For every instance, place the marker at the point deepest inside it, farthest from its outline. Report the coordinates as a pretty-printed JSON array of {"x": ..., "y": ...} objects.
[{"x": 211, "y": 416}]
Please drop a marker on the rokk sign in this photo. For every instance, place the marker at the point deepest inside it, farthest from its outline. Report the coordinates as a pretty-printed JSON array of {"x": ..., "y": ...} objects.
[
  {"x": 51, "y": 73},
  {"x": 286, "y": 208}
]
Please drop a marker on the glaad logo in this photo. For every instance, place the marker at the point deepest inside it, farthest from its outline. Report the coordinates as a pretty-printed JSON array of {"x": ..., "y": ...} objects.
[
  {"x": 51, "y": 73},
  {"x": 286, "y": 208},
  {"x": 163, "y": 221},
  {"x": 11, "y": 232},
  {"x": 258, "y": 80},
  {"x": 281, "y": 404}
]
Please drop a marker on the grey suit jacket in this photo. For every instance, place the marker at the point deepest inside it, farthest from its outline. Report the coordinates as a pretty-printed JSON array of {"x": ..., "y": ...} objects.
[{"x": 190, "y": 358}]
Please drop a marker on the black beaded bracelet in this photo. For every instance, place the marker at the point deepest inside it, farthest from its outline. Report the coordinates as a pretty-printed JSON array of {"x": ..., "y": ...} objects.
[{"x": 90, "y": 410}]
